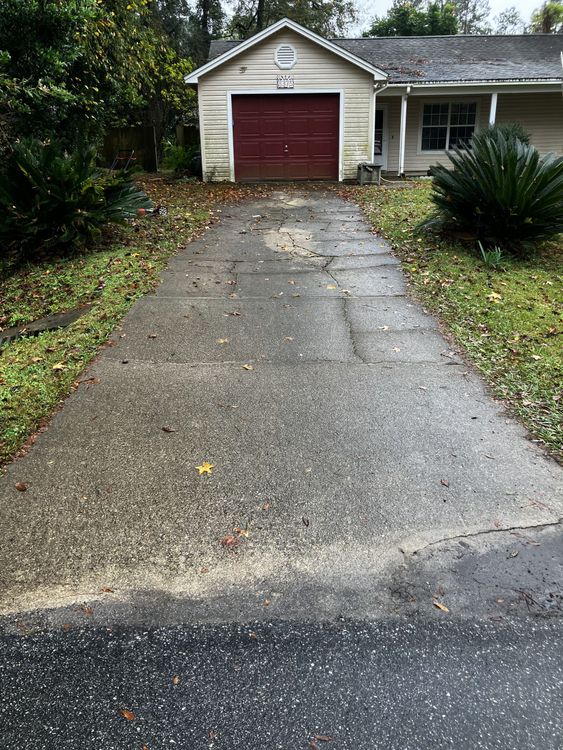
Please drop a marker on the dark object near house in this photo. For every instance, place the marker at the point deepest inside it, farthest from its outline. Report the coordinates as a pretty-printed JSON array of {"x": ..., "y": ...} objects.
[{"x": 369, "y": 174}]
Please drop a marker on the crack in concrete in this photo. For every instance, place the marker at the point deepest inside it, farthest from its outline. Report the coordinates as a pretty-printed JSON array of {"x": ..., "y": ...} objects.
[
  {"x": 484, "y": 532},
  {"x": 350, "y": 330}
]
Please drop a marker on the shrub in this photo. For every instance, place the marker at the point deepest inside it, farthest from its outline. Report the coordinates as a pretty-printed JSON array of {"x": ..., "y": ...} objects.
[
  {"x": 511, "y": 131},
  {"x": 50, "y": 199},
  {"x": 181, "y": 159},
  {"x": 500, "y": 191}
]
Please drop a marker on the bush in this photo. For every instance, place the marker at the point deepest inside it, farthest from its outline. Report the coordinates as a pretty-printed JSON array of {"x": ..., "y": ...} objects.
[
  {"x": 50, "y": 199},
  {"x": 500, "y": 191},
  {"x": 511, "y": 130},
  {"x": 181, "y": 159}
]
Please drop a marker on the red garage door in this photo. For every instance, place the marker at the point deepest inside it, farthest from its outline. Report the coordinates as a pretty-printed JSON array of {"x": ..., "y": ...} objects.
[{"x": 286, "y": 136}]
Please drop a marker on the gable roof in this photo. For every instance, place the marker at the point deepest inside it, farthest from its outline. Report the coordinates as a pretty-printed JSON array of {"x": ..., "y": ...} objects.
[
  {"x": 449, "y": 59},
  {"x": 235, "y": 48}
]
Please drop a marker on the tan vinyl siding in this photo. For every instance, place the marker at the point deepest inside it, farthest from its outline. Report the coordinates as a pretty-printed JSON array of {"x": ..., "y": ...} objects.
[
  {"x": 541, "y": 114},
  {"x": 417, "y": 161},
  {"x": 316, "y": 68}
]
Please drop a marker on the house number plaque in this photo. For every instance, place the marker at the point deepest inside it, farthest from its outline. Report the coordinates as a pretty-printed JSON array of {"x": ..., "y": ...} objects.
[{"x": 285, "y": 82}]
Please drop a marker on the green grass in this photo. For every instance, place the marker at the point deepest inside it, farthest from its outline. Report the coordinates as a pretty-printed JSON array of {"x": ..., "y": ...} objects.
[
  {"x": 508, "y": 321},
  {"x": 37, "y": 372}
]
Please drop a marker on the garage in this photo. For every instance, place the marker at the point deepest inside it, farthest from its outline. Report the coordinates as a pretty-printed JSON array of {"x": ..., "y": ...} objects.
[
  {"x": 285, "y": 105},
  {"x": 286, "y": 136}
]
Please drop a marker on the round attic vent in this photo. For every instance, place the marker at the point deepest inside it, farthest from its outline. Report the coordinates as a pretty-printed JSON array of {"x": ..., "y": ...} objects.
[{"x": 285, "y": 56}]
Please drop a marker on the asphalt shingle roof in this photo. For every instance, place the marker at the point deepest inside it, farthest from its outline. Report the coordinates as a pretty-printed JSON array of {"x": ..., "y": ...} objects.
[{"x": 453, "y": 58}]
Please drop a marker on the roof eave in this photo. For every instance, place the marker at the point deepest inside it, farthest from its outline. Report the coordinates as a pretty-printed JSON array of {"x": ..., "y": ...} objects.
[
  {"x": 476, "y": 82},
  {"x": 194, "y": 76}
]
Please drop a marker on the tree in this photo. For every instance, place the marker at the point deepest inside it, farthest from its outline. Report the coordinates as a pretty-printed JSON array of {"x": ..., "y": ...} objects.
[
  {"x": 206, "y": 22},
  {"x": 509, "y": 21},
  {"x": 548, "y": 19},
  {"x": 328, "y": 18},
  {"x": 80, "y": 66},
  {"x": 473, "y": 16},
  {"x": 414, "y": 19}
]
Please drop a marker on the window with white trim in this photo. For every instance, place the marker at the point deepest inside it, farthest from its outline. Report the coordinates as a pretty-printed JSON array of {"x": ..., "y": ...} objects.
[{"x": 447, "y": 124}]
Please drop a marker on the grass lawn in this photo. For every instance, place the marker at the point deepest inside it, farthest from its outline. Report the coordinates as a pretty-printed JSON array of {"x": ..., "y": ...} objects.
[
  {"x": 509, "y": 321},
  {"x": 37, "y": 372}
]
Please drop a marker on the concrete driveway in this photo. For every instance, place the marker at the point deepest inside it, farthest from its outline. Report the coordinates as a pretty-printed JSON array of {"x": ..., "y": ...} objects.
[{"x": 360, "y": 468}]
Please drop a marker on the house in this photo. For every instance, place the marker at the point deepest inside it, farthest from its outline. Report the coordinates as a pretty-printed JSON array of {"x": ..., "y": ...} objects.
[{"x": 287, "y": 104}]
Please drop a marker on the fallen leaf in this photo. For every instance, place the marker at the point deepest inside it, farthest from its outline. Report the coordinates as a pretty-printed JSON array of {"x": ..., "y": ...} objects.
[
  {"x": 21, "y": 486},
  {"x": 106, "y": 590},
  {"x": 494, "y": 297},
  {"x": 296, "y": 295},
  {"x": 323, "y": 738},
  {"x": 59, "y": 366},
  {"x": 91, "y": 381},
  {"x": 129, "y": 715},
  {"x": 267, "y": 602},
  {"x": 253, "y": 636},
  {"x": 87, "y": 610},
  {"x": 440, "y": 606},
  {"x": 222, "y": 341},
  {"x": 229, "y": 541},
  {"x": 266, "y": 506},
  {"x": 204, "y": 570},
  {"x": 168, "y": 429},
  {"x": 248, "y": 367},
  {"x": 445, "y": 482},
  {"x": 175, "y": 680},
  {"x": 152, "y": 336},
  {"x": 205, "y": 468},
  {"x": 240, "y": 532}
]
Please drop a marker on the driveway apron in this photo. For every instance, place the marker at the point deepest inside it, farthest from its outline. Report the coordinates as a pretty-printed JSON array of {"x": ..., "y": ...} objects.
[{"x": 344, "y": 430}]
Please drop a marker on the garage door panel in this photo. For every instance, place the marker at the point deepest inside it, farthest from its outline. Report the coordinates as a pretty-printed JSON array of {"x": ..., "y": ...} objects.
[{"x": 286, "y": 136}]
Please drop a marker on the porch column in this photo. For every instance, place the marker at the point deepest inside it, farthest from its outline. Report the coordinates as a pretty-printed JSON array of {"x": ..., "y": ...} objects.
[
  {"x": 493, "y": 109},
  {"x": 403, "y": 133}
]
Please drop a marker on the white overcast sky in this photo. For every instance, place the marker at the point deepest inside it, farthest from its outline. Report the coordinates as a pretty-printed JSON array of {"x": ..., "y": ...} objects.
[{"x": 367, "y": 11}]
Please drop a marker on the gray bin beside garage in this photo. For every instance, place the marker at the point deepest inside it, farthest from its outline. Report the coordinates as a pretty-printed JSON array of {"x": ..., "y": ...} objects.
[{"x": 368, "y": 173}]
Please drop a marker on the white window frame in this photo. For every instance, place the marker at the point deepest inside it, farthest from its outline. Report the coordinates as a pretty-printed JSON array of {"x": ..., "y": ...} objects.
[{"x": 449, "y": 101}]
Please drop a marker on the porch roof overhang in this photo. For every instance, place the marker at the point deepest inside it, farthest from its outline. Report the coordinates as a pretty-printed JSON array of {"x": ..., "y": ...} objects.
[
  {"x": 285, "y": 23},
  {"x": 439, "y": 88}
]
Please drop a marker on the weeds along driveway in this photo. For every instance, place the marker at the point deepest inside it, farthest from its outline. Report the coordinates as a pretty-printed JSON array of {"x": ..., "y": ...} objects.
[{"x": 343, "y": 433}]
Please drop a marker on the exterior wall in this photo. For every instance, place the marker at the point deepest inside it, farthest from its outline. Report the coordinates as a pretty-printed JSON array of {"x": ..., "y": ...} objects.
[
  {"x": 541, "y": 114},
  {"x": 417, "y": 161},
  {"x": 316, "y": 68}
]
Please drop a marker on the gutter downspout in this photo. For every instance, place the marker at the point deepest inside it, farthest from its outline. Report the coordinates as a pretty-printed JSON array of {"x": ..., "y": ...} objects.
[{"x": 403, "y": 132}]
